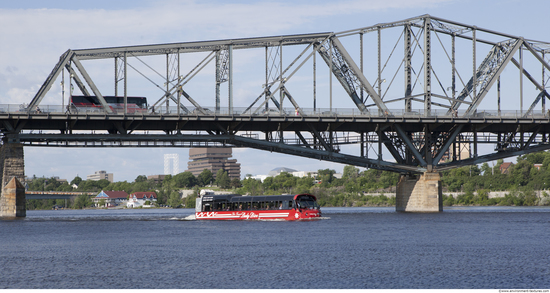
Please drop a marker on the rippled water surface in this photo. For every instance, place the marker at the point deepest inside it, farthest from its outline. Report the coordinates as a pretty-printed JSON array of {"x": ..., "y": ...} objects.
[{"x": 495, "y": 247}]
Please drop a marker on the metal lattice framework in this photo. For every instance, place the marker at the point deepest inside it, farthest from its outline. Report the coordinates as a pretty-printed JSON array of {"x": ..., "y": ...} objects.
[{"x": 435, "y": 79}]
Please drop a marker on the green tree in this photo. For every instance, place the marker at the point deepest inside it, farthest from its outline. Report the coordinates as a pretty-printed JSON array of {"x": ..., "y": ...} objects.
[
  {"x": 235, "y": 183},
  {"x": 350, "y": 172},
  {"x": 190, "y": 201},
  {"x": 205, "y": 177},
  {"x": 82, "y": 201},
  {"x": 251, "y": 186},
  {"x": 175, "y": 199},
  {"x": 141, "y": 178},
  {"x": 486, "y": 169},
  {"x": 103, "y": 183},
  {"x": 326, "y": 176},
  {"x": 222, "y": 179},
  {"x": 76, "y": 180},
  {"x": 184, "y": 179}
]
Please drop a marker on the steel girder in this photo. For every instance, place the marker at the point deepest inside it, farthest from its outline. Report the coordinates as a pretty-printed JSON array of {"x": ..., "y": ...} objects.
[{"x": 414, "y": 148}]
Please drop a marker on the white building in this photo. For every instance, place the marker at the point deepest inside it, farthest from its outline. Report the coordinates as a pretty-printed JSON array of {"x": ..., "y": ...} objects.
[
  {"x": 294, "y": 173},
  {"x": 98, "y": 175},
  {"x": 138, "y": 199}
]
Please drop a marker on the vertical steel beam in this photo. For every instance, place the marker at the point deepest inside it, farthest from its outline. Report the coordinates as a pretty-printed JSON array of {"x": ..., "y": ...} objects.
[
  {"x": 454, "y": 150},
  {"x": 230, "y": 49},
  {"x": 125, "y": 82},
  {"x": 314, "y": 81},
  {"x": 379, "y": 64},
  {"x": 408, "y": 74},
  {"x": 474, "y": 67},
  {"x": 475, "y": 140},
  {"x": 428, "y": 147},
  {"x": 361, "y": 61},
  {"x": 167, "y": 81},
  {"x": 63, "y": 89},
  {"x": 543, "y": 86},
  {"x": 453, "y": 64},
  {"x": 521, "y": 80},
  {"x": 362, "y": 144},
  {"x": 379, "y": 142},
  {"x": 427, "y": 69},
  {"x": 116, "y": 76},
  {"x": 266, "y": 78},
  {"x": 218, "y": 81},
  {"x": 179, "y": 80},
  {"x": 330, "y": 73},
  {"x": 281, "y": 93},
  {"x": 498, "y": 95}
]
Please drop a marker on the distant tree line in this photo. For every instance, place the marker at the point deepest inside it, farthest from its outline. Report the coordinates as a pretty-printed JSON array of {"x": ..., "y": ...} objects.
[{"x": 521, "y": 182}]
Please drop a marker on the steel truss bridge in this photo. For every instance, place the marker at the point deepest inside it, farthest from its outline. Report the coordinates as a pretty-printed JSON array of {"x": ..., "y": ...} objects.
[{"x": 436, "y": 72}]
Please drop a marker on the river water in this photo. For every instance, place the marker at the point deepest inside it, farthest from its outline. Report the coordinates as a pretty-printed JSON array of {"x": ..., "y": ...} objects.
[{"x": 484, "y": 248}]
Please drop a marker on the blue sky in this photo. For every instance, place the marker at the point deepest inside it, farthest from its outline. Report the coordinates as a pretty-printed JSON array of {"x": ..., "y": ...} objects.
[{"x": 33, "y": 34}]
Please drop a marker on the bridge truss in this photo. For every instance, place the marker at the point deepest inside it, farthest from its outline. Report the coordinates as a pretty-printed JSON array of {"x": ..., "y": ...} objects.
[{"x": 437, "y": 72}]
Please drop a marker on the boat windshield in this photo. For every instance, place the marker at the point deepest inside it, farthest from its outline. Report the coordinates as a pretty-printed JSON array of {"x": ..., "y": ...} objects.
[{"x": 308, "y": 203}]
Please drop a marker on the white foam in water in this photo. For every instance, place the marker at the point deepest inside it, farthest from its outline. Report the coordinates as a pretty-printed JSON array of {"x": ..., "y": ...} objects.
[{"x": 189, "y": 218}]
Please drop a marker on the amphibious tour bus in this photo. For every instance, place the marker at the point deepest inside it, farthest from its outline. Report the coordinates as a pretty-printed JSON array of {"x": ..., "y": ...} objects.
[{"x": 237, "y": 207}]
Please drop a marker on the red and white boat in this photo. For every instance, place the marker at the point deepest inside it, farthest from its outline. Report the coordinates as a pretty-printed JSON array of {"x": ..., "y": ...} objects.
[{"x": 270, "y": 207}]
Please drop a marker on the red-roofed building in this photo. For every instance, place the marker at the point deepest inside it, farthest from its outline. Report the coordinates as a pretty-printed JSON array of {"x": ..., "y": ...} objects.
[
  {"x": 138, "y": 199},
  {"x": 504, "y": 167},
  {"x": 111, "y": 198}
]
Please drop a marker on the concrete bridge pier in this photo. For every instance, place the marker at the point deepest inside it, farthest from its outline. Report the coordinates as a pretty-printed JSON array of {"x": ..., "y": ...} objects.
[
  {"x": 12, "y": 168},
  {"x": 419, "y": 195}
]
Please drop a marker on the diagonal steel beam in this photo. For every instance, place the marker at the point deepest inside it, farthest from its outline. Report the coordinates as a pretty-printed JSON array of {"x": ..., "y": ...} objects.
[
  {"x": 532, "y": 137},
  {"x": 492, "y": 157},
  {"x": 448, "y": 143},
  {"x": 320, "y": 138},
  {"x": 393, "y": 151},
  {"x": 319, "y": 154},
  {"x": 282, "y": 81},
  {"x": 534, "y": 104},
  {"x": 405, "y": 138},
  {"x": 77, "y": 80},
  {"x": 491, "y": 72},
  {"x": 63, "y": 60},
  {"x": 294, "y": 103},
  {"x": 486, "y": 67},
  {"x": 301, "y": 137},
  {"x": 90, "y": 82},
  {"x": 541, "y": 60},
  {"x": 188, "y": 97},
  {"x": 538, "y": 85},
  {"x": 351, "y": 70},
  {"x": 179, "y": 85}
]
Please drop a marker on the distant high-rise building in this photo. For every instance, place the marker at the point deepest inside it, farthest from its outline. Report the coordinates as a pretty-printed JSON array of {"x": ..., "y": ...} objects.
[
  {"x": 98, "y": 175},
  {"x": 174, "y": 160},
  {"x": 213, "y": 159}
]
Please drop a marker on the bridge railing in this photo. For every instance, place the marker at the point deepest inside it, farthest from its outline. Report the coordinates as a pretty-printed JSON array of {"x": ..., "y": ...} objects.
[{"x": 241, "y": 111}]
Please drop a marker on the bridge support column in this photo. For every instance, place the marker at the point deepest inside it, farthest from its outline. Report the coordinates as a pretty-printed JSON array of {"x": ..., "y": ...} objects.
[
  {"x": 12, "y": 168},
  {"x": 419, "y": 195}
]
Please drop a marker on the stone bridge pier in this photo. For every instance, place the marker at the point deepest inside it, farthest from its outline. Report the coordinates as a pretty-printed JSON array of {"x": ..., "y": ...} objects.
[
  {"x": 12, "y": 168},
  {"x": 420, "y": 195}
]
